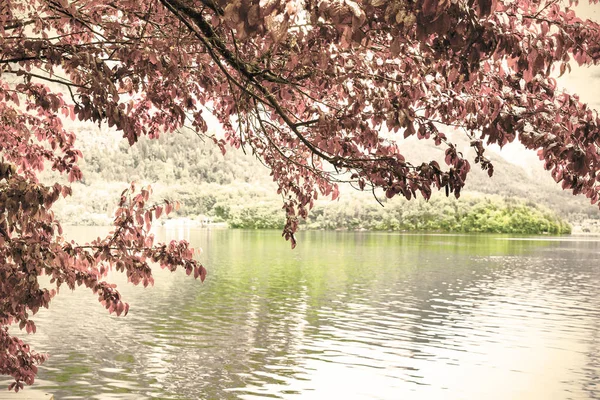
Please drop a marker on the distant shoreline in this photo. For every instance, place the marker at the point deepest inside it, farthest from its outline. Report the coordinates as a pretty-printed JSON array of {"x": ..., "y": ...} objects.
[{"x": 190, "y": 223}]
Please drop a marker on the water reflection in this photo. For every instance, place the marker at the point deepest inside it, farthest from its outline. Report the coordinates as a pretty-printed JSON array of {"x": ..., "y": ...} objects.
[{"x": 345, "y": 315}]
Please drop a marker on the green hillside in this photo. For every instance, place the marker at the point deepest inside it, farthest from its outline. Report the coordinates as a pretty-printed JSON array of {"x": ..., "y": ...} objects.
[{"x": 237, "y": 189}]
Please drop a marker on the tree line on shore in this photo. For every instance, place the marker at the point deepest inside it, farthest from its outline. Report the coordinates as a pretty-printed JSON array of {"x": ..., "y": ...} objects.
[
  {"x": 237, "y": 190},
  {"x": 246, "y": 206}
]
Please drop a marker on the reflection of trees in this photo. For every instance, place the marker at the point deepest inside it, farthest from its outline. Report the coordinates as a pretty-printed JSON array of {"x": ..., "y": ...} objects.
[
  {"x": 237, "y": 329},
  {"x": 380, "y": 300},
  {"x": 408, "y": 294}
]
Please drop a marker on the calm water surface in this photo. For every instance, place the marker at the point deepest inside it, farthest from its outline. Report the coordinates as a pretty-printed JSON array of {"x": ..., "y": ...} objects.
[{"x": 344, "y": 316}]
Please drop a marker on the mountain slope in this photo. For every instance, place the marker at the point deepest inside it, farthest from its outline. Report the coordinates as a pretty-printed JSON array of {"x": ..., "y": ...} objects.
[{"x": 183, "y": 167}]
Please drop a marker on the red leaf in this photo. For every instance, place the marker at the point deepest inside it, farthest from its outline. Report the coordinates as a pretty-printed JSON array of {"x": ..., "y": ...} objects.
[
  {"x": 429, "y": 7},
  {"x": 203, "y": 273},
  {"x": 335, "y": 193}
]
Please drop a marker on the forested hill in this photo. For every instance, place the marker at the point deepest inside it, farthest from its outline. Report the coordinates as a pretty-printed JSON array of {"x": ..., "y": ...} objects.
[
  {"x": 182, "y": 166},
  {"x": 179, "y": 158},
  {"x": 528, "y": 180}
]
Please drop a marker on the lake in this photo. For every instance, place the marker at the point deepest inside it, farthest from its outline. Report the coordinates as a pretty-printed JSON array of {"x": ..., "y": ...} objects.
[{"x": 346, "y": 315}]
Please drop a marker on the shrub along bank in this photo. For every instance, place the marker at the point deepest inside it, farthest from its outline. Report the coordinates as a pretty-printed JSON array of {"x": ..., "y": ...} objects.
[{"x": 249, "y": 206}]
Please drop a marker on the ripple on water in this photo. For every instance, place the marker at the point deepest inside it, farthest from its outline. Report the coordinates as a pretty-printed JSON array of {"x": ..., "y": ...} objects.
[{"x": 354, "y": 316}]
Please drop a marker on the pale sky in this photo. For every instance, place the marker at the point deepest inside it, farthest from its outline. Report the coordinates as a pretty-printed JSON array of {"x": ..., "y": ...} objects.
[{"x": 585, "y": 81}]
